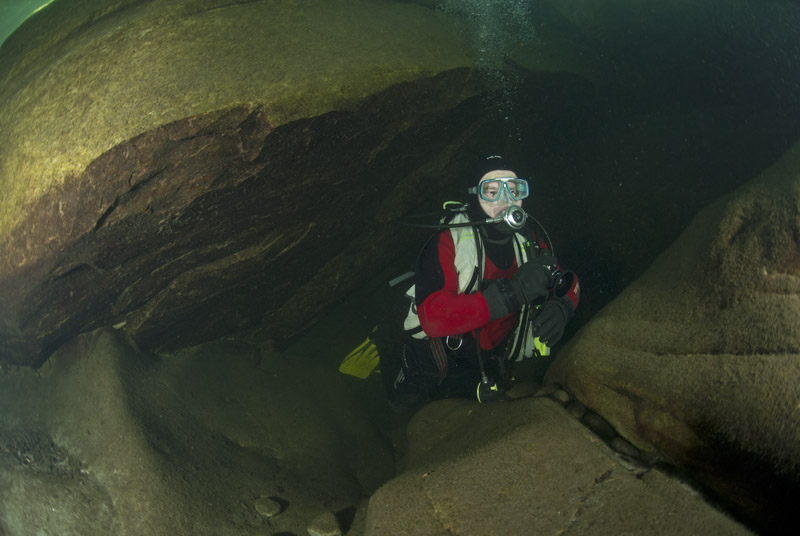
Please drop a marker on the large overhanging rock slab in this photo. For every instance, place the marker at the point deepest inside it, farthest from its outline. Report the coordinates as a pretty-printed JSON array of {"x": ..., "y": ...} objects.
[
  {"x": 185, "y": 167},
  {"x": 699, "y": 359}
]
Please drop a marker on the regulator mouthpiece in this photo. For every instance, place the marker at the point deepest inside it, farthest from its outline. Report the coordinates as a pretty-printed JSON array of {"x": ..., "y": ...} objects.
[{"x": 513, "y": 216}]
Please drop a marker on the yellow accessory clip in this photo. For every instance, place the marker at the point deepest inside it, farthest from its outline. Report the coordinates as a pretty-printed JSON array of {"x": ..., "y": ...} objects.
[{"x": 541, "y": 348}]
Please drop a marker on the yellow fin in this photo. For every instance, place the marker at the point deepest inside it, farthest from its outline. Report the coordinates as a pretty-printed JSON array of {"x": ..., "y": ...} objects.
[{"x": 362, "y": 361}]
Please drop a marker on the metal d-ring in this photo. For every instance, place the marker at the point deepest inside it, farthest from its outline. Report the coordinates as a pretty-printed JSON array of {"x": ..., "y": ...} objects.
[{"x": 455, "y": 338}]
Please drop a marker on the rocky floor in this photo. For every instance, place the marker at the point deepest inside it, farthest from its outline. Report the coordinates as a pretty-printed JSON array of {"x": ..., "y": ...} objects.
[
  {"x": 216, "y": 440},
  {"x": 227, "y": 438}
]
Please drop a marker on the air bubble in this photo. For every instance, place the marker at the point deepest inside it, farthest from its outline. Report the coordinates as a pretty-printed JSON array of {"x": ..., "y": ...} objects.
[{"x": 494, "y": 28}]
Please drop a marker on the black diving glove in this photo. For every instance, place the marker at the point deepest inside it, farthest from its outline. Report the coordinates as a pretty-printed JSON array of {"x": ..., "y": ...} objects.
[
  {"x": 550, "y": 320},
  {"x": 531, "y": 282}
]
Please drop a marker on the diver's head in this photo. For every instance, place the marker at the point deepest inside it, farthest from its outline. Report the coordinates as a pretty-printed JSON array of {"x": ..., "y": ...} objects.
[
  {"x": 499, "y": 189},
  {"x": 496, "y": 186}
]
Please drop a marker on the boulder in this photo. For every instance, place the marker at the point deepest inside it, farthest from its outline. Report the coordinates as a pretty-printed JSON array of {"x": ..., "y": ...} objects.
[
  {"x": 528, "y": 467},
  {"x": 219, "y": 439},
  {"x": 699, "y": 359}
]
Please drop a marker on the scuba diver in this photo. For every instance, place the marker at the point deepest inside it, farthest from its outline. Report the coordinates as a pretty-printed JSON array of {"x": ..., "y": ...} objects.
[{"x": 488, "y": 293}]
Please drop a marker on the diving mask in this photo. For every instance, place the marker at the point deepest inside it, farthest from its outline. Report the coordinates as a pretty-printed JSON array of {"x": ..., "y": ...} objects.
[{"x": 505, "y": 189}]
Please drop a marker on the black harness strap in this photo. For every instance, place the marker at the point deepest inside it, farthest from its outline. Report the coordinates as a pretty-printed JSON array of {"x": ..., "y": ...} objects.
[
  {"x": 439, "y": 357},
  {"x": 517, "y": 340}
]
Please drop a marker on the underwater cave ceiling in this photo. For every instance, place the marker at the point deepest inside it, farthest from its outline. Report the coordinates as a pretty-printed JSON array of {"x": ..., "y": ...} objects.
[
  {"x": 206, "y": 168},
  {"x": 191, "y": 183}
]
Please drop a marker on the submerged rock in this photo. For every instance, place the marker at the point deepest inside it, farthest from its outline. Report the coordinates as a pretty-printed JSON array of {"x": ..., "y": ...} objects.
[
  {"x": 124, "y": 443},
  {"x": 528, "y": 467},
  {"x": 598, "y": 425},
  {"x": 623, "y": 447},
  {"x": 267, "y": 506},
  {"x": 576, "y": 409},
  {"x": 699, "y": 359},
  {"x": 560, "y": 396},
  {"x": 324, "y": 524}
]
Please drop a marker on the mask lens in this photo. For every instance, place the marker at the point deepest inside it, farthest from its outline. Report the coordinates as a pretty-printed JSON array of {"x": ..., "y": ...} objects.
[
  {"x": 491, "y": 189},
  {"x": 518, "y": 188}
]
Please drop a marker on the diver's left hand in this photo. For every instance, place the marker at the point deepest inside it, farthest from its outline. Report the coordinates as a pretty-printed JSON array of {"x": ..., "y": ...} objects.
[{"x": 551, "y": 319}]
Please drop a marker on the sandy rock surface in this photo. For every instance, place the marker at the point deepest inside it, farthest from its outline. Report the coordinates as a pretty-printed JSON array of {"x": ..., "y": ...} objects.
[
  {"x": 528, "y": 467},
  {"x": 219, "y": 440},
  {"x": 699, "y": 359}
]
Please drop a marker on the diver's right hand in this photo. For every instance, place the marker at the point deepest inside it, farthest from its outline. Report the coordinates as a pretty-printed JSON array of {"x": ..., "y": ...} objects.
[
  {"x": 531, "y": 282},
  {"x": 534, "y": 279}
]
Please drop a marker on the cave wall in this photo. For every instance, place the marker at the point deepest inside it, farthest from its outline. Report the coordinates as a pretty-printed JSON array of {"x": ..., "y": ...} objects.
[
  {"x": 181, "y": 168},
  {"x": 191, "y": 169}
]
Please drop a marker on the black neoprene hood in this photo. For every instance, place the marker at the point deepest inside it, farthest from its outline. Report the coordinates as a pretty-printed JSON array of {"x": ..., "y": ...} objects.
[{"x": 484, "y": 165}]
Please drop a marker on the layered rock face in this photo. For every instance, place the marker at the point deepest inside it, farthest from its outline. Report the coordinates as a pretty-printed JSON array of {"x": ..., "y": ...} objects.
[
  {"x": 188, "y": 167},
  {"x": 699, "y": 359},
  {"x": 201, "y": 168}
]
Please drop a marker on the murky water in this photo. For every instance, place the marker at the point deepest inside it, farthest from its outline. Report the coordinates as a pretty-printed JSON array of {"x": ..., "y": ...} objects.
[{"x": 626, "y": 117}]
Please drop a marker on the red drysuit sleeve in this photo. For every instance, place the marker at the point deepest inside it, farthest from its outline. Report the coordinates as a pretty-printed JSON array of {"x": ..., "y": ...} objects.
[{"x": 442, "y": 310}]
